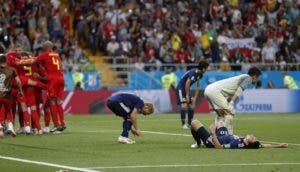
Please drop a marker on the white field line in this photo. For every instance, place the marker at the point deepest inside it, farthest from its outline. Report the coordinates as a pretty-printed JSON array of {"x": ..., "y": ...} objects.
[
  {"x": 171, "y": 134},
  {"x": 198, "y": 165},
  {"x": 48, "y": 164}
]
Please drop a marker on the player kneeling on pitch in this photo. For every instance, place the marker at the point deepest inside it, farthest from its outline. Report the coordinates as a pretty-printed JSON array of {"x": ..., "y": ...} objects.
[
  {"x": 218, "y": 138},
  {"x": 222, "y": 94},
  {"x": 127, "y": 105}
]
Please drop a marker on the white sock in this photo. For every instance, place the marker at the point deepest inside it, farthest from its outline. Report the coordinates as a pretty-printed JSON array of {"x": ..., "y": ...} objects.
[
  {"x": 218, "y": 119},
  {"x": 228, "y": 123}
]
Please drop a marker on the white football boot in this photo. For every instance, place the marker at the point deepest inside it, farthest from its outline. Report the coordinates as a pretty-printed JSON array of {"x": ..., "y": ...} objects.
[
  {"x": 27, "y": 130},
  {"x": 125, "y": 140},
  {"x": 10, "y": 129},
  {"x": 46, "y": 130}
]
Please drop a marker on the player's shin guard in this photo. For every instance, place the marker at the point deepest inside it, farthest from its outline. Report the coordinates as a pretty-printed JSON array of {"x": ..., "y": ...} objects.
[
  {"x": 228, "y": 123},
  {"x": 190, "y": 116},
  {"x": 196, "y": 137},
  {"x": 126, "y": 128},
  {"x": 54, "y": 115},
  {"x": 182, "y": 115},
  {"x": 61, "y": 115}
]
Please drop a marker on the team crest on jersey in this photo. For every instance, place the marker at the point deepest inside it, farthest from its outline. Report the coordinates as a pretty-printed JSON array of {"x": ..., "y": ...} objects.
[{"x": 2, "y": 79}]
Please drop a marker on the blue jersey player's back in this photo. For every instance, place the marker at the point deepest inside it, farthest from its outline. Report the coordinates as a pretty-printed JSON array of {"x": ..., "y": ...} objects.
[
  {"x": 127, "y": 102},
  {"x": 192, "y": 74}
]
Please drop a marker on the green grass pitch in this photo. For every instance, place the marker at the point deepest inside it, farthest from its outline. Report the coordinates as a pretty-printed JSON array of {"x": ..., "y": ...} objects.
[{"x": 90, "y": 144}]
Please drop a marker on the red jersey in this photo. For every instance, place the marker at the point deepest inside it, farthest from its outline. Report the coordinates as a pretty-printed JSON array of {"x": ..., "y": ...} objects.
[
  {"x": 11, "y": 57},
  {"x": 26, "y": 71},
  {"x": 51, "y": 62}
]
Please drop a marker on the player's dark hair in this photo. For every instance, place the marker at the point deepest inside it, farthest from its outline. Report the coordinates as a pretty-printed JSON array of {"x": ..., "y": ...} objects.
[
  {"x": 203, "y": 64},
  {"x": 253, "y": 145},
  {"x": 254, "y": 71},
  {"x": 2, "y": 58}
]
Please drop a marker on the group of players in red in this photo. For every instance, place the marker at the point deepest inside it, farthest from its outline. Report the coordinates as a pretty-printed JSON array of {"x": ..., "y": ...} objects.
[{"x": 24, "y": 82}]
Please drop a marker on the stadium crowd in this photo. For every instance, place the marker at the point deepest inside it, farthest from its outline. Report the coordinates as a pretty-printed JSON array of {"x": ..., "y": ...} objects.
[
  {"x": 238, "y": 32},
  {"x": 30, "y": 23}
]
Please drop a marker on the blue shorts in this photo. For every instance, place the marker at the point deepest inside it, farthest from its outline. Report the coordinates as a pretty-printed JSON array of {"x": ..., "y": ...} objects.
[
  {"x": 205, "y": 137},
  {"x": 181, "y": 96},
  {"x": 117, "y": 109}
]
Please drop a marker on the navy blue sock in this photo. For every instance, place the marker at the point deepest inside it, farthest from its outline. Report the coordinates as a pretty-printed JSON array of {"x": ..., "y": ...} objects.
[
  {"x": 183, "y": 113},
  {"x": 196, "y": 137},
  {"x": 126, "y": 128},
  {"x": 190, "y": 116}
]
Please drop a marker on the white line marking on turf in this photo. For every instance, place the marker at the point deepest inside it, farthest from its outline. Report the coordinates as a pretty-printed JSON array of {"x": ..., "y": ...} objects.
[
  {"x": 48, "y": 164},
  {"x": 173, "y": 134},
  {"x": 197, "y": 165}
]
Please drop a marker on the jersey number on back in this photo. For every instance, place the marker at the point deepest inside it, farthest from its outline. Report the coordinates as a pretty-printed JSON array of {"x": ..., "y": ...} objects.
[
  {"x": 56, "y": 63},
  {"x": 28, "y": 70}
]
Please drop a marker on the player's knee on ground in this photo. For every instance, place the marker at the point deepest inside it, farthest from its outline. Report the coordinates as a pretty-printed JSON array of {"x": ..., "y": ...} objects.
[{"x": 196, "y": 124}]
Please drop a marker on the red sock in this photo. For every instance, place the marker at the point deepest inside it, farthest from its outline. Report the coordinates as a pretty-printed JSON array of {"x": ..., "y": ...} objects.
[
  {"x": 47, "y": 116},
  {"x": 2, "y": 115},
  {"x": 9, "y": 117},
  {"x": 61, "y": 114},
  {"x": 54, "y": 115},
  {"x": 21, "y": 119},
  {"x": 36, "y": 120},
  {"x": 26, "y": 118}
]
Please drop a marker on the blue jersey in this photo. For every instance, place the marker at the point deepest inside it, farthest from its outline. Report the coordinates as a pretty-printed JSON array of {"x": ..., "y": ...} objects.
[
  {"x": 127, "y": 102},
  {"x": 231, "y": 141},
  {"x": 192, "y": 75}
]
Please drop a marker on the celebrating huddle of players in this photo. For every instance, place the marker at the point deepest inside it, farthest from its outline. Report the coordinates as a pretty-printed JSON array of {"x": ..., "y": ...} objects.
[{"x": 26, "y": 82}]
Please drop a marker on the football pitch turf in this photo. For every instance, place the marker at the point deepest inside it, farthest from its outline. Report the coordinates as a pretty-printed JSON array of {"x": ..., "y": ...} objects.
[{"x": 90, "y": 144}]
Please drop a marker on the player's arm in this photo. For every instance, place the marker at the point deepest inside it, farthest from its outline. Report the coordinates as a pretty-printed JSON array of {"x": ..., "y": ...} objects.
[
  {"x": 19, "y": 84},
  {"x": 187, "y": 89},
  {"x": 215, "y": 140},
  {"x": 281, "y": 145},
  {"x": 241, "y": 87},
  {"x": 133, "y": 118},
  {"x": 27, "y": 62},
  {"x": 196, "y": 94}
]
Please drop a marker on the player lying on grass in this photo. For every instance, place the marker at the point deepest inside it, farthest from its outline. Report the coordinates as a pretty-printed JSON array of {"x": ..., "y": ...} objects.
[
  {"x": 127, "y": 105},
  {"x": 218, "y": 138},
  {"x": 222, "y": 94}
]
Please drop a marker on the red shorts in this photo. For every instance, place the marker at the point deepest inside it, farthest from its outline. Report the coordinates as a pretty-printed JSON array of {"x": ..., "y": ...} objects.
[
  {"x": 56, "y": 87},
  {"x": 6, "y": 104},
  {"x": 30, "y": 94},
  {"x": 24, "y": 80}
]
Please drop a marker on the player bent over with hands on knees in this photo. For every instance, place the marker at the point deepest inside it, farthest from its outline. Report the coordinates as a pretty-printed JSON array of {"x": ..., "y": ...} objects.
[
  {"x": 222, "y": 94},
  {"x": 183, "y": 95},
  {"x": 127, "y": 105},
  {"x": 218, "y": 138}
]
